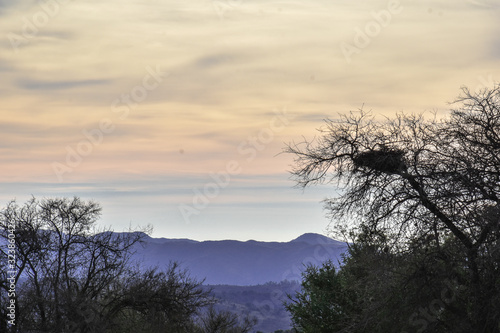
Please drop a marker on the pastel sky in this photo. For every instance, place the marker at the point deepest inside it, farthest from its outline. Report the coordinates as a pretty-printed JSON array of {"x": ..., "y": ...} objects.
[{"x": 143, "y": 105}]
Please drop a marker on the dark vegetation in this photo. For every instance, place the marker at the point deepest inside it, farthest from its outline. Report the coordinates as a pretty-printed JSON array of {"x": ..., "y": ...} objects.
[{"x": 421, "y": 206}]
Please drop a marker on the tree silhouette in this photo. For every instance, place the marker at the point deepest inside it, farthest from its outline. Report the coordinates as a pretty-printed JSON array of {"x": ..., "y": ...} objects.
[{"x": 418, "y": 180}]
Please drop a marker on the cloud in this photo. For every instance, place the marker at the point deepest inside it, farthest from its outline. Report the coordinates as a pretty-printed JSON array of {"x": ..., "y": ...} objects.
[
  {"x": 7, "y": 5},
  {"x": 485, "y": 4},
  {"x": 57, "y": 34},
  {"x": 6, "y": 66},
  {"x": 246, "y": 204},
  {"x": 210, "y": 61},
  {"x": 31, "y": 84}
]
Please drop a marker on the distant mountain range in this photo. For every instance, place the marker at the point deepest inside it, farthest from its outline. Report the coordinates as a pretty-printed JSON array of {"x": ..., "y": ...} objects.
[{"x": 247, "y": 263}]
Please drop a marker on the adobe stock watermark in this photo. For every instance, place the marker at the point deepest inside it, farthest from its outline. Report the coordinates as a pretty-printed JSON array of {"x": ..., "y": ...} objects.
[
  {"x": 364, "y": 36},
  {"x": 31, "y": 26},
  {"x": 11, "y": 274},
  {"x": 93, "y": 137},
  {"x": 220, "y": 180}
]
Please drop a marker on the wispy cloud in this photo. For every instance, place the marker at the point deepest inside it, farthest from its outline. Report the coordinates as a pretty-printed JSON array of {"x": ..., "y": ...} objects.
[{"x": 58, "y": 85}]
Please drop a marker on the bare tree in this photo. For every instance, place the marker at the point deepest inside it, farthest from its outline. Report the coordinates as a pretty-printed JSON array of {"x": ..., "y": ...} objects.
[
  {"x": 154, "y": 301},
  {"x": 214, "y": 321},
  {"x": 63, "y": 260},
  {"x": 413, "y": 179}
]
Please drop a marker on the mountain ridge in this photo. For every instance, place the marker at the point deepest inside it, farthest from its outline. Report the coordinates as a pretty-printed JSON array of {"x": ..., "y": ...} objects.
[{"x": 242, "y": 263}]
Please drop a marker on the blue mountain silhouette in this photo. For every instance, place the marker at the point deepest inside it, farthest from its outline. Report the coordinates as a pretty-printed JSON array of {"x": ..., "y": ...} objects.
[{"x": 241, "y": 263}]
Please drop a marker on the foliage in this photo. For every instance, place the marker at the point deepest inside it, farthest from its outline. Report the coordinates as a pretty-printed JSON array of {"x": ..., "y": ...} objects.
[{"x": 324, "y": 304}]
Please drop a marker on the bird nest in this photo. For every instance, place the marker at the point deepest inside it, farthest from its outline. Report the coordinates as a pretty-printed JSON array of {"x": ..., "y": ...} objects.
[{"x": 383, "y": 160}]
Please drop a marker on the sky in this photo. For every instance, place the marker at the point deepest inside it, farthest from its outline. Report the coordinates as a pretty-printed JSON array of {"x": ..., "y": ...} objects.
[{"x": 174, "y": 113}]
